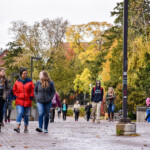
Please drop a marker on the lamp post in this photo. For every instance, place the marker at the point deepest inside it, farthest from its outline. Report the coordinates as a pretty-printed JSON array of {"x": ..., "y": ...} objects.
[
  {"x": 31, "y": 118},
  {"x": 99, "y": 42},
  {"x": 125, "y": 127},
  {"x": 37, "y": 58},
  {"x": 125, "y": 64}
]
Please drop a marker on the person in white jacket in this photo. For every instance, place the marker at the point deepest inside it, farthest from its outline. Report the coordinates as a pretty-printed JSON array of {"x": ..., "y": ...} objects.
[{"x": 76, "y": 110}]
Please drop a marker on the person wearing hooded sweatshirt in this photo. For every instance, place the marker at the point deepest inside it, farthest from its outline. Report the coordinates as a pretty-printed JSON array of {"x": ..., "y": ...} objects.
[
  {"x": 23, "y": 91},
  {"x": 96, "y": 98}
]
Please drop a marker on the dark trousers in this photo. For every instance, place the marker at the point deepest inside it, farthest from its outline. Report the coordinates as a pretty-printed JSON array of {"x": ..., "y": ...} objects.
[
  {"x": 8, "y": 106},
  {"x": 1, "y": 109},
  {"x": 52, "y": 115},
  {"x": 147, "y": 116},
  {"x": 88, "y": 115},
  {"x": 59, "y": 114},
  {"x": 76, "y": 115},
  {"x": 64, "y": 115}
]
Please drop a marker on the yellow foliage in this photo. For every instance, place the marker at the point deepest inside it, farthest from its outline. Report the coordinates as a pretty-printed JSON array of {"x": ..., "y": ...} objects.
[
  {"x": 106, "y": 69},
  {"x": 89, "y": 54}
]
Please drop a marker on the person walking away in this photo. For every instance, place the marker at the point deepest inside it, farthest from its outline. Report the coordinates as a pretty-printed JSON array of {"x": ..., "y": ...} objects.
[
  {"x": 8, "y": 106},
  {"x": 110, "y": 103},
  {"x": 96, "y": 98},
  {"x": 88, "y": 111},
  {"x": 23, "y": 91},
  {"x": 148, "y": 104},
  {"x": 76, "y": 110},
  {"x": 64, "y": 109},
  {"x": 55, "y": 103},
  {"x": 4, "y": 91},
  {"x": 59, "y": 112},
  {"x": 44, "y": 92}
]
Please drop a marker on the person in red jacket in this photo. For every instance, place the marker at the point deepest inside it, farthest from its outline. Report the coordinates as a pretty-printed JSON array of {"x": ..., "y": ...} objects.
[{"x": 23, "y": 90}]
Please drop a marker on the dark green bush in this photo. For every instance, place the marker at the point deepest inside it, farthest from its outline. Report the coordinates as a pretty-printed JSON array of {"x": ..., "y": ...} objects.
[
  {"x": 70, "y": 112},
  {"x": 82, "y": 112}
]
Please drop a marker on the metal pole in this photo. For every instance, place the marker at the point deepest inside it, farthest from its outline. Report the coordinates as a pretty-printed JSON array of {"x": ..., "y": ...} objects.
[
  {"x": 31, "y": 66},
  {"x": 125, "y": 43},
  {"x": 31, "y": 117}
]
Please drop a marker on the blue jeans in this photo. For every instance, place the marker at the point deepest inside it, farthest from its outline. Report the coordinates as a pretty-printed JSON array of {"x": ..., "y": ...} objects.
[
  {"x": 43, "y": 110},
  {"x": 22, "y": 112},
  {"x": 111, "y": 108}
]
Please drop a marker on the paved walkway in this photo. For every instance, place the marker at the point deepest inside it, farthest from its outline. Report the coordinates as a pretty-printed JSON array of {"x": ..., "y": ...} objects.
[{"x": 71, "y": 135}]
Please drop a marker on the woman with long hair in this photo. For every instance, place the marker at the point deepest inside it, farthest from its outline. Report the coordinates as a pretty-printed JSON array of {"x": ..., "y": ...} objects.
[
  {"x": 44, "y": 92},
  {"x": 4, "y": 91},
  {"x": 64, "y": 109},
  {"x": 110, "y": 102}
]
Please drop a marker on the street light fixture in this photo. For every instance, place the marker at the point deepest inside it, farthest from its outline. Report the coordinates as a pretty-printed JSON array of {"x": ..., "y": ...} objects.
[
  {"x": 31, "y": 118},
  {"x": 37, "y": 58}
]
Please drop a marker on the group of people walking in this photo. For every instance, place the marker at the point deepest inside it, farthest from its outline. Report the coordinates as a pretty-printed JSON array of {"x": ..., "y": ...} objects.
[{"x": 47, "y": 99}]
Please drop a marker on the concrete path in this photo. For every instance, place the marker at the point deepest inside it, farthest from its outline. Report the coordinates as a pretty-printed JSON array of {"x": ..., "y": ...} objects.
[{"x": 71, "y": 135}]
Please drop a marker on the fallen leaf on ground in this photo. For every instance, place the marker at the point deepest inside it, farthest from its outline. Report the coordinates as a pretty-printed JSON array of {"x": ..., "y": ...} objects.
[{"x": 12, "y": 146}]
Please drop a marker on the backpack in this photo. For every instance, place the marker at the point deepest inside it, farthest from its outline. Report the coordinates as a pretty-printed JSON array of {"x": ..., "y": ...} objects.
[
  {"x": 94, "y": 90},
  {"x": 54, "y": 101}
]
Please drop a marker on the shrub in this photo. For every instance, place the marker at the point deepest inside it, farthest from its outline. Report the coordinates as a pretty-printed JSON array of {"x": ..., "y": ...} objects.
[
  {"x": 33, "y": 104},
  {"x": 70, "y": 112},
  {"x": 82, "y": 111}
]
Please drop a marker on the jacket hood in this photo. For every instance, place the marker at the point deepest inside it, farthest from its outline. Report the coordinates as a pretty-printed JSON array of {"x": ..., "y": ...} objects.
[{"x": 25, "y": 81}]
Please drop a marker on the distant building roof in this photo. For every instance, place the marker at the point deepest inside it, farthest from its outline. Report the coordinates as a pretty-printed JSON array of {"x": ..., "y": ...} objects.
[{"x": 2, "y": 55}]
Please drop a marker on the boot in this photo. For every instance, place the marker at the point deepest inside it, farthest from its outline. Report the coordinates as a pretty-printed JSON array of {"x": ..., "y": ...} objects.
[
  {"x": 98, "y": 121},
  {"x": 93, "y": 120}
]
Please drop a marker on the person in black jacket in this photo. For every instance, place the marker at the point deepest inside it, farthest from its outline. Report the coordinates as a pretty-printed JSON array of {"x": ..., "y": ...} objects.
[
  {"x": 88, "y": 110},
  {"x": 4, "y": 91},
  {"x": 64, "y": 109},
  {"x": 8, "y": 105},
  {"x": 44, "y": 92},
  {"x": 97, "y": 98}
]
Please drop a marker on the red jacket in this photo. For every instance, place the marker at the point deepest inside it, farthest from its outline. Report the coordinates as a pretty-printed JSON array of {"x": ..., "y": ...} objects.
[{"x": 24, "y": 92}]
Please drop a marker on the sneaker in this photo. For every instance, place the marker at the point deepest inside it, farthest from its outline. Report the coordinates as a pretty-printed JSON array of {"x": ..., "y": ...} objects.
[
  {"x": 17, "y": 130},
  {"x": 9, "y": 120},
  {"x": 39, "y": 130},
  {"x": 26, "y": 130},
  {"x": 45, "y": 131}
]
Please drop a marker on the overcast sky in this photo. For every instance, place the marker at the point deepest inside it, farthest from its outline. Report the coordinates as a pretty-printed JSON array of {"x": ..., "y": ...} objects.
[{"x": 75, "y": 11}]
